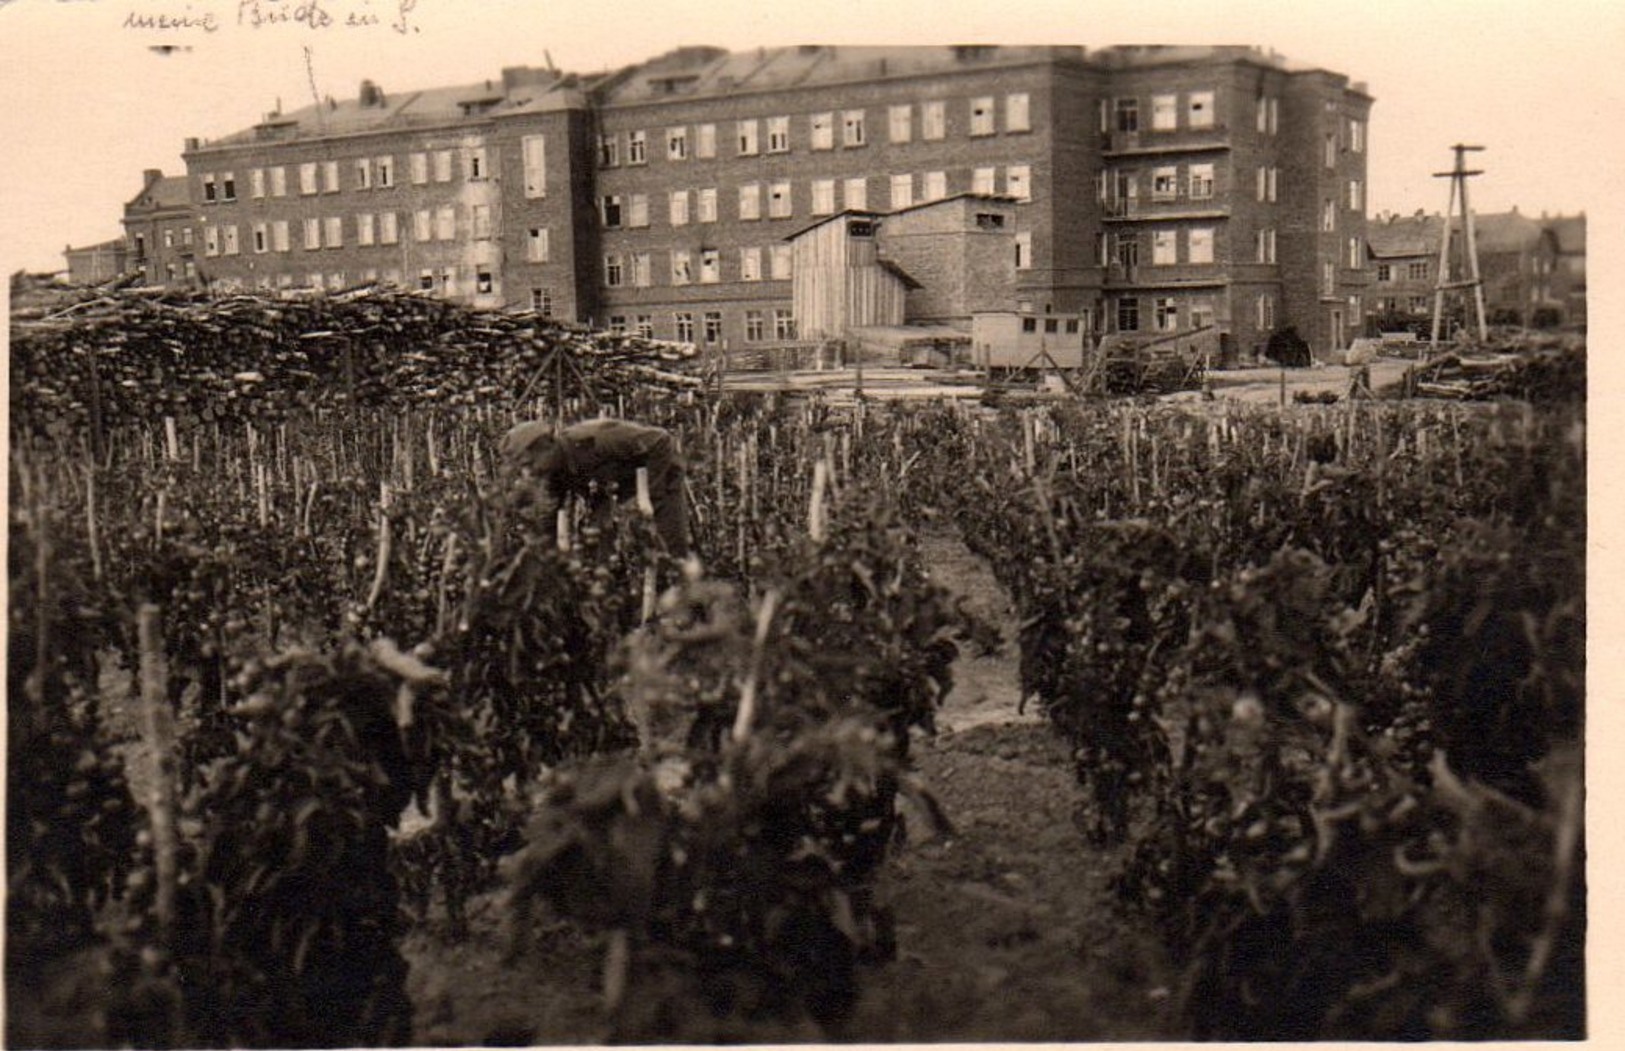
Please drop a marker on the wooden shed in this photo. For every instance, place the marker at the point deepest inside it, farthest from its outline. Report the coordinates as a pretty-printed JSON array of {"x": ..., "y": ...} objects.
[{"x": 839, "y": 282}]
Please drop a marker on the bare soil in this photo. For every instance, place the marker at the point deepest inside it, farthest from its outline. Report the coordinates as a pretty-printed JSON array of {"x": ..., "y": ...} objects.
[{"x": 1007, "y": 929}]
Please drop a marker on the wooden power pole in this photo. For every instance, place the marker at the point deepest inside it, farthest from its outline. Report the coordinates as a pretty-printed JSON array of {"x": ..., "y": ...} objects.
[{"x": 1446, "y": 282}]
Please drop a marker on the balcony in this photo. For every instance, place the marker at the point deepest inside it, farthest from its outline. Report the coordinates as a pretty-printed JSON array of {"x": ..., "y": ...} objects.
[
  {"x": 1168, "y": 207},
  {"x": 1179, "y": 140},
  {"x": 1121, "y": 278}
]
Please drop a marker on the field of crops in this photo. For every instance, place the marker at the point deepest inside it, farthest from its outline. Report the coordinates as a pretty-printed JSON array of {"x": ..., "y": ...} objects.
[{"x": 1315, "y": 674}]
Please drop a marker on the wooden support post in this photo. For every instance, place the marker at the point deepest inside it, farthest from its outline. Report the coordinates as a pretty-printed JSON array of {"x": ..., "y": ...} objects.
[{"x": 157, "y": 723}]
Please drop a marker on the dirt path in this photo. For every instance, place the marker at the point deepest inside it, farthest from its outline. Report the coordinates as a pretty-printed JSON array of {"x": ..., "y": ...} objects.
[{"x": 1007, "y": 930}]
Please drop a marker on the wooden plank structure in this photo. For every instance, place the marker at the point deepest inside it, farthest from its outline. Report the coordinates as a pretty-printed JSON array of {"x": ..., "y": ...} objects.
[{"x": 839, "y": 281}]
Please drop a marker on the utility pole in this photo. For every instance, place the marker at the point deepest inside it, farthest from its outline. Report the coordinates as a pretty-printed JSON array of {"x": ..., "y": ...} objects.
[{"x": 1458, "y": 177}]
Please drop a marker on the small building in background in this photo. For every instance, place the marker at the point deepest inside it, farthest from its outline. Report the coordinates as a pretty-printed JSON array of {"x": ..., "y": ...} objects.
[
  {"x": 161, "y": 230},
  {"x": 94, "y": 264}
]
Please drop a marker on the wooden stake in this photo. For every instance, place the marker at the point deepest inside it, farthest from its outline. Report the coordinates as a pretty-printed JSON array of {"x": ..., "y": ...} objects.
[
  {"x": 815, "y": 511},
  {"x": 157, "y": 725}
]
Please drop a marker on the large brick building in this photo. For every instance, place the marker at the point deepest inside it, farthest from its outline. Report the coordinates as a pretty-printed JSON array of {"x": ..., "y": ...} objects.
[
  {"x": 1154, "y": 187},
  {"x": 162, "y": 231}
]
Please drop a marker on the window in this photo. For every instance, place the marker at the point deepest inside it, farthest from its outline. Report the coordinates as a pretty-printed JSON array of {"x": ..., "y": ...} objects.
[
  {"x": 677, "y": 207},
  {"x": 333, "y": 231},
  {"x": 755, "y": 326},
  {"x": 418, "y": 163},
  {"x": 1128, "y": 251},
  {"x": 228, "y": 187},
  {"x": 749, "y": 138},
  {"x": 1201, "y": 183},
  {"x": 637, "y": 210},
  {"x": 1017, "y": 112},
  {"x": 642, "y": 270},
  {"x": 609, "y": 151},
  {"x": 169, "y": 241},
  {"x": 613, "y": 275},
  {"x": 1356, "y": 254},
  {"x": 1328, "y": 215},
  {"x": 1274, "y": 126},
  {"x": 330, "y": 176},
  {"x": 823, "y": 197},
  {"x": 388, "y": 228},
  {"x": 611, "y": 211},
  {"x": 902, "y": 191},
  {"x": 710, "y": 266},
  {"x": 705, "y": 141},
  {"x": 682, "y": 266},
  {"x": 1029, "y": 324},
  {"x": 484, "y": 285},
  {"x": 307, "y": 177},
  {"x": 1164, "y": 183},
  {"x": 852, "y": 132},
  {"x": 1164, "y": 112},
  {"x": 1128, "y": 314},
  {"x": 984, "y": 180},
  {"x": 1357, "y": 136},
  {"x": 1201, "y": 313},
  {"x": 936, "y": 186},
  {"x": 256, "y": 183},
  {"x": 705, "y": 205},
  {"x": 933, "y": 119},
  {"x": 1265, "y": 241},
  {"x": 1328, "y": 278},
  {"x": 644, "y": 326},
  {"x": 989, "y": 221},
  {"x": 1201, "y": 245},
  {"x": 279, "y": 182},
  {"x": 364, "y": 228},
  {"x": 1417, "y": 271},
  {"x": 279, "y": 235},
  {"x": 1018, "y": 182},
  {"x": 900, "y": 123},
  {"x": 1127, "y": 112},
  {"x": 677, "y": 144},
  {"x": 1199, "y": 110},
  {"x": 1274, "y": 182},
  {"x": 750, "y": 201},
  {"x": 617, "y": 324},
  {"x": 857, "y": 193},
  {"x": 1262, "y": 190},
  {"x": 637, "y": 146},
  {"x": 778, "y": 200},
  {"x": 313, "y": 234},
  {"x": 1024, "y": 250},
  {"x": 1385, "y": 272},
  {"x": 750, "y": 264},
  {"x": 541, "y": 301},
  {"x": 536, "y": 244},
  {"x": 210, "y": 192},
  {"x": 1356, "y": 195},
  {"x": 781, "y": 263},
  {"x": 422, "y": 225},
  {"x": 1262, "y": 121},
  {"x": 481, "y": 216},
  {"x": 384, "y": 172},
  {"x": 363, "y": 173},
  {"x": 1165, "y": 314},
  {"x": 778, "y": 134},
  {"x": 981, "y": 115},
  {"x": 1331, "y": 149},
  {"x": 1266, "y": 313},
  {"x": 823, "y": 131},
  {"x": 1164, "y": 247},
  {"x": 442, "y": 166},
  {"x": 685, "y": 326},
  {"x": 713, "y": 326},
  {"x": 445, "y": 223},
  {"x": 533, "y": 157},
  {"x": 784, "y": 324},
  {"x": 229, "y": 239}
]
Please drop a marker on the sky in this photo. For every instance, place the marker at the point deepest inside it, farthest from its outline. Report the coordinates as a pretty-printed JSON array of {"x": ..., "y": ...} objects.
[{"x": 86, "y": 104}]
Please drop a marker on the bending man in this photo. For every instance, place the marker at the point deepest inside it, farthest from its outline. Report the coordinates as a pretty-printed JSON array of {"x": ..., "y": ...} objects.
[{"x": 599, "y": 460}]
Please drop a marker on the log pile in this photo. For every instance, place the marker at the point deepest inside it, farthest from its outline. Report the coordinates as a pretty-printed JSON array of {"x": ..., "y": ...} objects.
[
  {"x": 1555, "y": 373},
  {"x": 118, "y": 356}
]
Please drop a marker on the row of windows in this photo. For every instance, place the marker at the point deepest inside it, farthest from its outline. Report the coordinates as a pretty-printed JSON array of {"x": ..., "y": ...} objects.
[
  {"x": 757, "y": 325},
  {"x": 377, "y": 173},
  {"x": 1122, "y": 186},
  {"x": 1164, "y": 247},
  {"x": 704, "y": 266},
  {"x": 1416, "y": 270},
  {"x": 446, "y": 280},
  {"x": 1163, "y": 313},
  {"x": 849, "y": 128},
  {"x": 701, "y": 206},
  {"x": 1124, "y": 113},
  {"x": 369, "y": 228}
]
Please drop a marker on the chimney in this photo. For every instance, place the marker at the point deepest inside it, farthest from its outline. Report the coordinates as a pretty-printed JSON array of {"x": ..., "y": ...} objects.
[
  {"x": 370, "y": 95},
  {"x": 191, "y": 144},
  {"x": 151, "y": 175}
]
